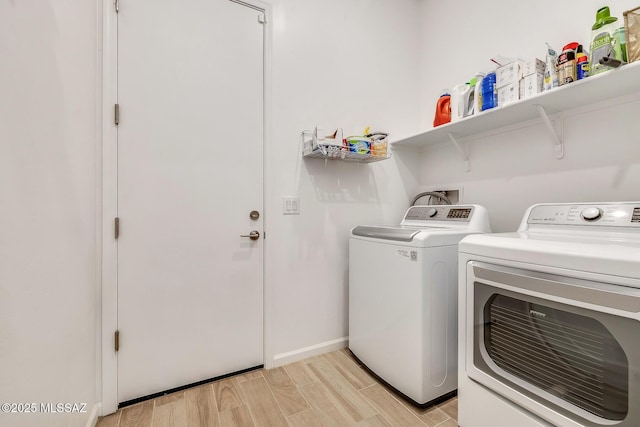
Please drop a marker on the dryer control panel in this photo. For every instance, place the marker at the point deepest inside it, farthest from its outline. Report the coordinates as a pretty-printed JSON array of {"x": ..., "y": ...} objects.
[{"x": 603, "y": 214}]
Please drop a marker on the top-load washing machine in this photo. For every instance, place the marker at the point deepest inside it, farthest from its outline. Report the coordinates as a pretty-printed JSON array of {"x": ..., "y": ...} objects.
[
  {"x": 403, "y": 297},
  {"x": 549, "y": 331}
]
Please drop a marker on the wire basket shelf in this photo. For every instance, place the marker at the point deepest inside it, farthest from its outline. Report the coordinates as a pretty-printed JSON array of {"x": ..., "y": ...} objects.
[{"x": 334, "y": 152}]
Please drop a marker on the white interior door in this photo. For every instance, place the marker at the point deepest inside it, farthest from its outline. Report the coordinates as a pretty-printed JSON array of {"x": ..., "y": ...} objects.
[{"x": 190, "y": 171}]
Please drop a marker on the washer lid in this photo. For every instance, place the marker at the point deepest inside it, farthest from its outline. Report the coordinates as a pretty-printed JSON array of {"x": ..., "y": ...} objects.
[{"x": 387, "y": 233}]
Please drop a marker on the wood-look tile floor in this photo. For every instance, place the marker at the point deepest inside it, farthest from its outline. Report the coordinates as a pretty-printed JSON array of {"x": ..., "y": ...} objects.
[{"x": 327, "y": 390}]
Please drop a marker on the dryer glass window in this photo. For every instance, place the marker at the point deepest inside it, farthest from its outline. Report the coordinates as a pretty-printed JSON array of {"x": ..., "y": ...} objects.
[{"x": 571, "y": 356}]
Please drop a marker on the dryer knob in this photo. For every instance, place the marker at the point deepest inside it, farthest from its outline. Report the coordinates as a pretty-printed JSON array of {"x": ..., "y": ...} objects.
[
  {"x": 591, "y": 214},
  {"x": 432, "y": 212}
]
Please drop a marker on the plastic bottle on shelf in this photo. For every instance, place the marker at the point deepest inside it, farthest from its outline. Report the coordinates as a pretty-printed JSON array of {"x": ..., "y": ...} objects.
[
  {"x": 489, "y": 93},
  {"x": 443, "y": 109},
  {"x": 621, "y": 39},
  {"x": 471, "y": 99},
  {"x": 475, "y": 95},
  {"x": 550, "y": 71},
  {"x": 603, "y": 41},
  {"x": 582, "y": 66},
  {"x": 567, "y": 64},
  {"x": 459, "y": 101}
]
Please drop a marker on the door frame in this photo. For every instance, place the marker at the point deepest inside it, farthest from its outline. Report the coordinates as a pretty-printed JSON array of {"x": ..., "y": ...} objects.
[{"x": 107, "y": 360}]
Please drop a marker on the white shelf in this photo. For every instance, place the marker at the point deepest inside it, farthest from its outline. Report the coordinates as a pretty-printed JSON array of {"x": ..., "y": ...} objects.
[{"x": 611, "y": 84}]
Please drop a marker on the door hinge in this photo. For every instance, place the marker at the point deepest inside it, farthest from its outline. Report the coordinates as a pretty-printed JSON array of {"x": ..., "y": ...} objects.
[
  {"x": 116, "y": 114},
  {"x": 116, "y": 340},
  {"x": 116, "y": 5},
  {"x": 262, "y": 18},
  {"x": 116, "y": 227}
]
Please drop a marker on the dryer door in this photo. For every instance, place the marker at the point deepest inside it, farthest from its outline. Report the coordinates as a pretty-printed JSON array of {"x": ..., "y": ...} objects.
[{"x": 565, "y": 348}]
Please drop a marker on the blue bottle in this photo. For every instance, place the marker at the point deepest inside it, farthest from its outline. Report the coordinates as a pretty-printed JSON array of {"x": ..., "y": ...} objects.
[{"x": 489, "y": 93}]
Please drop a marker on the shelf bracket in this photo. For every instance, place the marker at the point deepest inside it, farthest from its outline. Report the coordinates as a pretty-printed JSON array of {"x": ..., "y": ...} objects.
[
  {"x": 554, "y": 131},
  {"x": 460, "y": 147}
]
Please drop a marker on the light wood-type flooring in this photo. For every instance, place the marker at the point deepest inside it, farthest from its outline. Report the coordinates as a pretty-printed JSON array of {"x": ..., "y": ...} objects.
[{"x": 327, "y": 390}]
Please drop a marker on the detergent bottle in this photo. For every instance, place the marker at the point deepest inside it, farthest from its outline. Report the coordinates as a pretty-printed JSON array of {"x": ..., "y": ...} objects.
[
  {"x": 489, "y": 93},
  {"x": 459, "y": 101},
  {"x": 443, "y": 109},
  {"x": 469, "y": 107},
  {"x": 475, "y": 99}
]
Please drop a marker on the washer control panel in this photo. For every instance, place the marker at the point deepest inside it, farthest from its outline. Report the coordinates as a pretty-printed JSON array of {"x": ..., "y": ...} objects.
[
  {"x": 614, "y": 214},
  {"x": 439, "y": 213}
]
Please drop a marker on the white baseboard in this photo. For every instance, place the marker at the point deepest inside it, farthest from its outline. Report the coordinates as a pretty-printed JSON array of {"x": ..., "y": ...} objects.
[
  {"x": 306, "y": 352},
  {"x": 94, "y": 415}
]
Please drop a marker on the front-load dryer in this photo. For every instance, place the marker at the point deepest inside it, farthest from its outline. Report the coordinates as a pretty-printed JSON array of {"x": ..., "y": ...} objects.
[
  {"x": 403, "y": 298},
  {"x": 549, "y": 320}
]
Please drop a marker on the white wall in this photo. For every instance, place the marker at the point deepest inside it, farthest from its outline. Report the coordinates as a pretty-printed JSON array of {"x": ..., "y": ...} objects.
[
  {"x": 48, "y": 207},
  {"x": 342, "y": 64},
  {"x": 335, "y": 63},
  {"x": 512, "y": 170}
]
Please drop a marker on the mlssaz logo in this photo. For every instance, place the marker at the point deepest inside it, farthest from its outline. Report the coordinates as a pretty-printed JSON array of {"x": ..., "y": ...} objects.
[{"x": 537, "y": 313}]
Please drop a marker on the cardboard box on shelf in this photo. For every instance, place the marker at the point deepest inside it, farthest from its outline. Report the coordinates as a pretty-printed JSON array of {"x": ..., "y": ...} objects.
[
  {"x": 508, "y": 74},
  {"x": 508, "y": 94},
  {"x": 531, "y": 66},
  {"x": 518, "y": 69},
  {"x": 531, "y": 85}
]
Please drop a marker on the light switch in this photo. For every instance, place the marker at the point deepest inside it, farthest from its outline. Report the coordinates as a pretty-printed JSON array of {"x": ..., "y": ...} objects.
[{"x": 291, "y": 206}]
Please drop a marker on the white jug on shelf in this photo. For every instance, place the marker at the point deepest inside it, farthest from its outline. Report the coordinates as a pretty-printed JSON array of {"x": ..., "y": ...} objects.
[
  {"x": 475, "y": 100},
  {"x": 459, "y": 101}
]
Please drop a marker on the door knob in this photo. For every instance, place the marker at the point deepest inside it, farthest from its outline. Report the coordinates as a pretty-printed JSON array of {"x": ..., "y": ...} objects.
[{"x": 254, "y": 235}]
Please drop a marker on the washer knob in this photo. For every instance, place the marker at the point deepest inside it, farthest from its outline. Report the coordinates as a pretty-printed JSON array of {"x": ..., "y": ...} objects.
[
  {"x": 591, "y": 214},
  {"x": 432, "y": 212}
]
